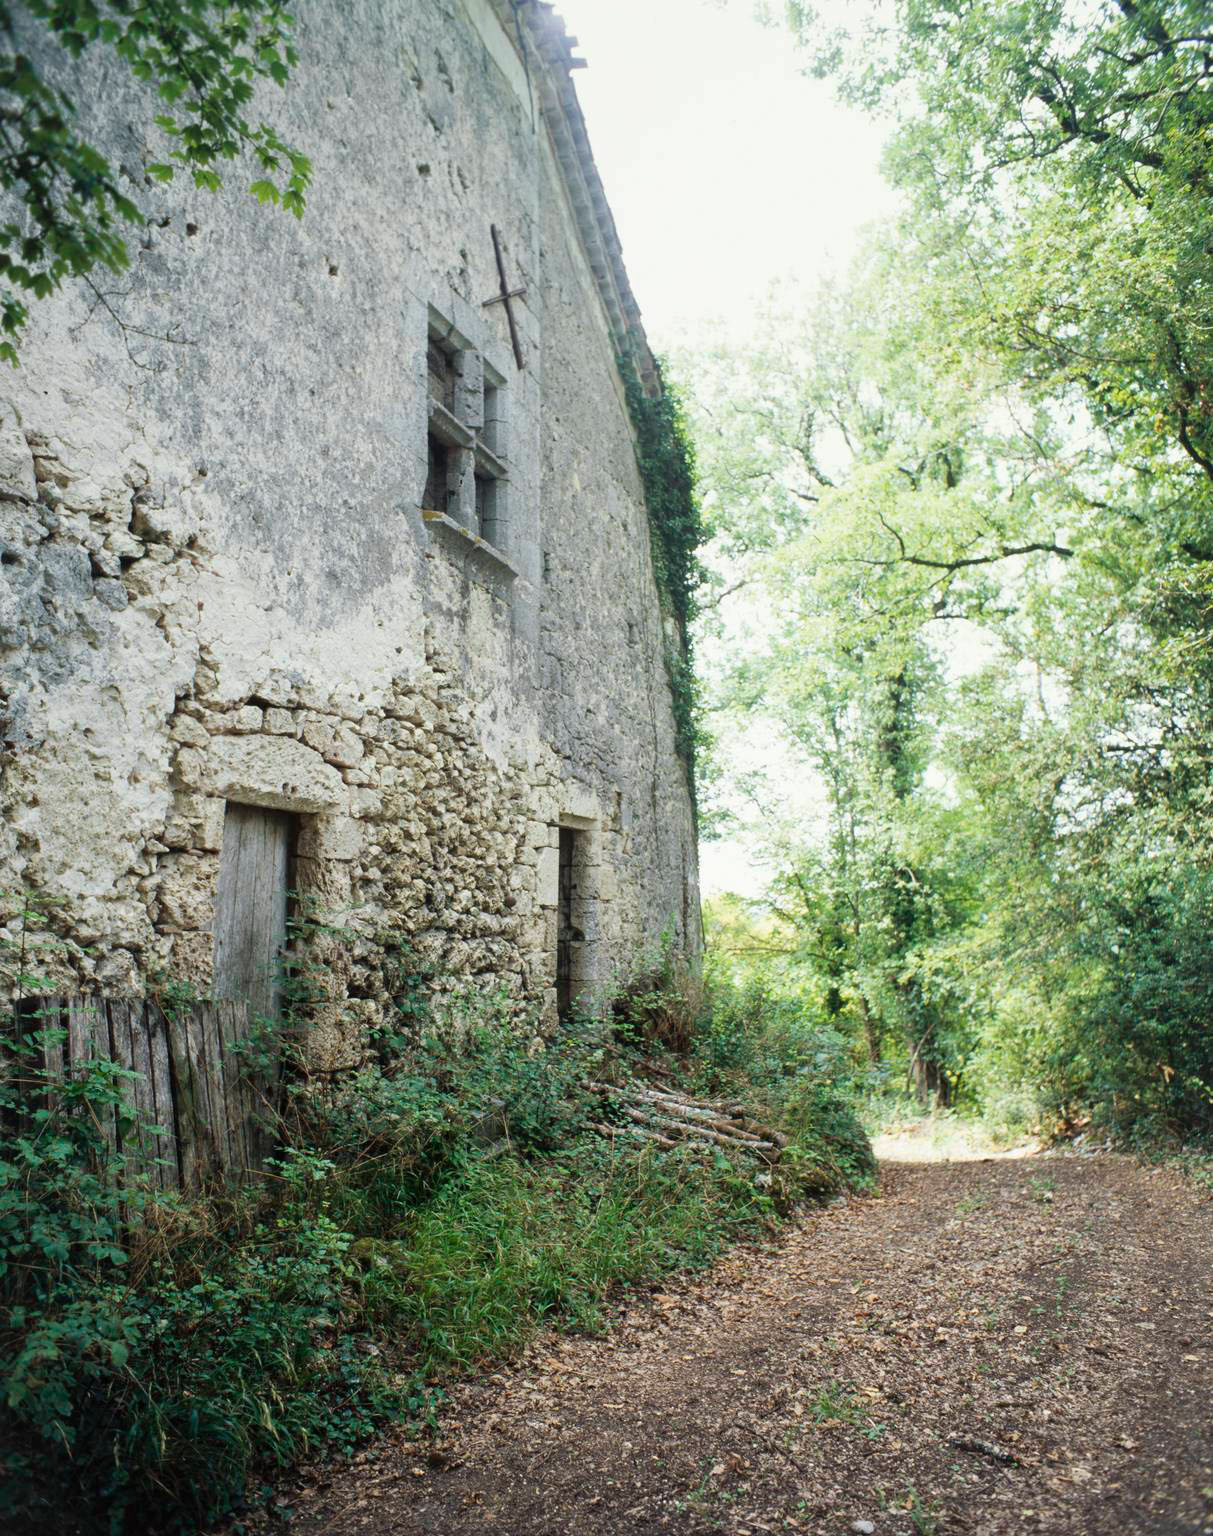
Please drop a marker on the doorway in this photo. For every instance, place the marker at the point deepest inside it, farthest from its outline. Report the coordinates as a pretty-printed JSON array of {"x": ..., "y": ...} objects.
[{"x": 256, "y": 867}]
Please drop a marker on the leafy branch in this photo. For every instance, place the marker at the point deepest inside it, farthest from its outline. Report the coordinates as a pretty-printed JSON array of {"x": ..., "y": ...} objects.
[{"x": 202, "y": 58}]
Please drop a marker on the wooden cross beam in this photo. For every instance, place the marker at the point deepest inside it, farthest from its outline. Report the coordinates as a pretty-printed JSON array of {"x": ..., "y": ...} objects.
[{"x": 507, "y": 293}]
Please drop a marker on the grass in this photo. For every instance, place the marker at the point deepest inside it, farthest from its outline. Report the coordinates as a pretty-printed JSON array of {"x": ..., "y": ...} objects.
[
  {"x": 1198, "y": 1167},
  {"x": 423, "y": 1220},
  {"x": 509, "y": 1247}
]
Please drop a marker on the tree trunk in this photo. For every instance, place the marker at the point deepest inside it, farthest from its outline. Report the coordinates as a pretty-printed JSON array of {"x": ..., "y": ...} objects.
[
  {"x": 870, "y": 1037},
  {"x": 931, "y": 1087}
]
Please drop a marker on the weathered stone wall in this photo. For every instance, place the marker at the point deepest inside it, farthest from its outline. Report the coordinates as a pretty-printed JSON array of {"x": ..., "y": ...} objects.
[{"x": 217, "y": 583}]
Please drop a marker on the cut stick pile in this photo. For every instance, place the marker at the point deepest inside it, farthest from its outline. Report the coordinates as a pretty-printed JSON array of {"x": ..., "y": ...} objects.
[{"x": 672, "y": 1119}]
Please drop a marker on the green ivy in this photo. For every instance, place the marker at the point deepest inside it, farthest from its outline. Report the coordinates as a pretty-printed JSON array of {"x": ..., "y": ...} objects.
[{"x": 667, "y": 468}]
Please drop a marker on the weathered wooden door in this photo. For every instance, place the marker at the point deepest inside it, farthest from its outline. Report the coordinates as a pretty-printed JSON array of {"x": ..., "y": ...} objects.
[{"x": 251, "y": 906}]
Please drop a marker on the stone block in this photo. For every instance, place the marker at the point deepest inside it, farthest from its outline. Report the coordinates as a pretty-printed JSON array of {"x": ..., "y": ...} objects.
[
  {"x": 273, "y": 771},
  {"x": 364, "y": 803},
  {"x": 189, "y": 732},
  {"x": 207, "y": 816},
  {"x": 420, "y": 712},
  {"x": 16, "y": 463},
  {"x": 178, "y": 833},
  {"x": 192, "y": 959},
  {"x": 318, "y": 734},
  {"x": 548, "y": 876},
  {"x": 539, "y": 834},
  {"x": 187, "y": 891},
  {"x": 189, "y": 767},
  {"x": 344, "y": 749},
  {"x": 330, "y": 837},
  {"x": 123, "y": 544},
  {"x": 280, "y": 722}
]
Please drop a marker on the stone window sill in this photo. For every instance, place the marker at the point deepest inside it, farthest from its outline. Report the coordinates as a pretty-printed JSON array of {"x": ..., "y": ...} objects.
[
  {"x": 483, "y": 557},
  {"x": 448, "y": 428},
  {"x": 488, "y": 462}
]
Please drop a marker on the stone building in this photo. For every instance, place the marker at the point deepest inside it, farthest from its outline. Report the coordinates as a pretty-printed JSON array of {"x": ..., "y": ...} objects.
[{"x": 315, "y": 579}]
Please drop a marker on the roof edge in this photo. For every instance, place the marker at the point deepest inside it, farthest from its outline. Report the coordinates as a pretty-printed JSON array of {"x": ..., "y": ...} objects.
[{"x": 544, "y": 39}]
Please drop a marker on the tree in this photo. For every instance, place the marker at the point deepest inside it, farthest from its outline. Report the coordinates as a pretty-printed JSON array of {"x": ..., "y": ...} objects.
[
  {"x": 1001, "y": 434},
  {"x": 201, "y": 58},
  {"x": 828, "y": 454},
  {"x": 1062, "y": 151}
]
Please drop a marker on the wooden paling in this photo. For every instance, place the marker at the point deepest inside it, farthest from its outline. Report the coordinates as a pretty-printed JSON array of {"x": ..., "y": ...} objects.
[{"x": 191, "y": 1113}]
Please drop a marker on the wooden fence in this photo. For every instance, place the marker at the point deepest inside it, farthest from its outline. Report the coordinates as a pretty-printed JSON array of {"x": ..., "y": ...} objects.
[{"x": 190, "y": 1080}]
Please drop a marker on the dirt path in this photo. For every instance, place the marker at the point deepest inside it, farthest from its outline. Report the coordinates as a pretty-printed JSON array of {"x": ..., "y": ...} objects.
[{"x": 989, "y": 1347}]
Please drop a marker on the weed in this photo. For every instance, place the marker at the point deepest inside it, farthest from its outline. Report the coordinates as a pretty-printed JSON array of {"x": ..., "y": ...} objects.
[
  {"x": 657, "y": 1004},
  {"x": 833, "y": 1406},
  {"x": 923, "y": 1517},
  {"x": 1198, "y": 1167},
  {"x": 422, "y": 1217}
]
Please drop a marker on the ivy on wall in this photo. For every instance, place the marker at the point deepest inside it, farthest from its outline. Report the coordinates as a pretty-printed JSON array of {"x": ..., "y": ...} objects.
[{"x": 667, "y": 468}]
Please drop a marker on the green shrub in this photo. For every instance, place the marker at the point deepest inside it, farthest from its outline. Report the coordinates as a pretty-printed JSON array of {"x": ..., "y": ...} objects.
[
  {"x": 657, "y": 1004},
  {"x": 511, "y": 1246},
  {"x": 754, "y": 1044},
  {"x": 827, "y": 1135},
  {"x": 426, "y": 1216},
  {"x": 150, "y": 1349},
  {"x": 1133, "y": 1047}
]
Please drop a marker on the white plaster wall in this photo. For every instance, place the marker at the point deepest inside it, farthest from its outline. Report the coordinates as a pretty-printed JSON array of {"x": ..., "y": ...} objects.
[{"x": 217, "y": 581}]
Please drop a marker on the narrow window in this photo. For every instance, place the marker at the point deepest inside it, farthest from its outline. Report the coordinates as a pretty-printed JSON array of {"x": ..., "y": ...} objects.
[
  {"x": 437, "y": 475},
  {"x": 255, "y": 872},
  {"x": 492, "y": 433},
  {"x": 486, "y": 507},
  {"x": 569, "y": 936},
  {"x": 441, "y": 367}
]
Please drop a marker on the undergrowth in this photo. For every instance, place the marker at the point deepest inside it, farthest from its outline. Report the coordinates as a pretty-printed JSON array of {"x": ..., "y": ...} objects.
[{"x": 422, "y": 1218}]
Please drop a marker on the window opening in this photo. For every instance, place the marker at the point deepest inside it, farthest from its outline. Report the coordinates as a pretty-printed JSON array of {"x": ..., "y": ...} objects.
[
  {"x": 492, "y": 435},
  {"x": 465, "y": 476},
  {"x": 441, "y": 367},
  {"x": 438, "y": 474},
  {"x": 486, "y": 506},
  {"x": 568, "y": 935}
]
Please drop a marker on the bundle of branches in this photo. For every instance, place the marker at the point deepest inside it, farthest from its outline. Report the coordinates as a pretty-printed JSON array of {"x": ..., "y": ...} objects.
[{"x": 671, "y": 1119}]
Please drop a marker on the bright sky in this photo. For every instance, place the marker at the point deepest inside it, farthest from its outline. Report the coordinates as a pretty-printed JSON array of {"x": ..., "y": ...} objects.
[
  {"x": 726, "y": 167},
  {"x": 728, "y": 170}
]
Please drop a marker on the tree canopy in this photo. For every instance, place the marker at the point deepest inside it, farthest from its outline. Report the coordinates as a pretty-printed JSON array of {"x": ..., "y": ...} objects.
[{"x": 974, "y": 485}]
